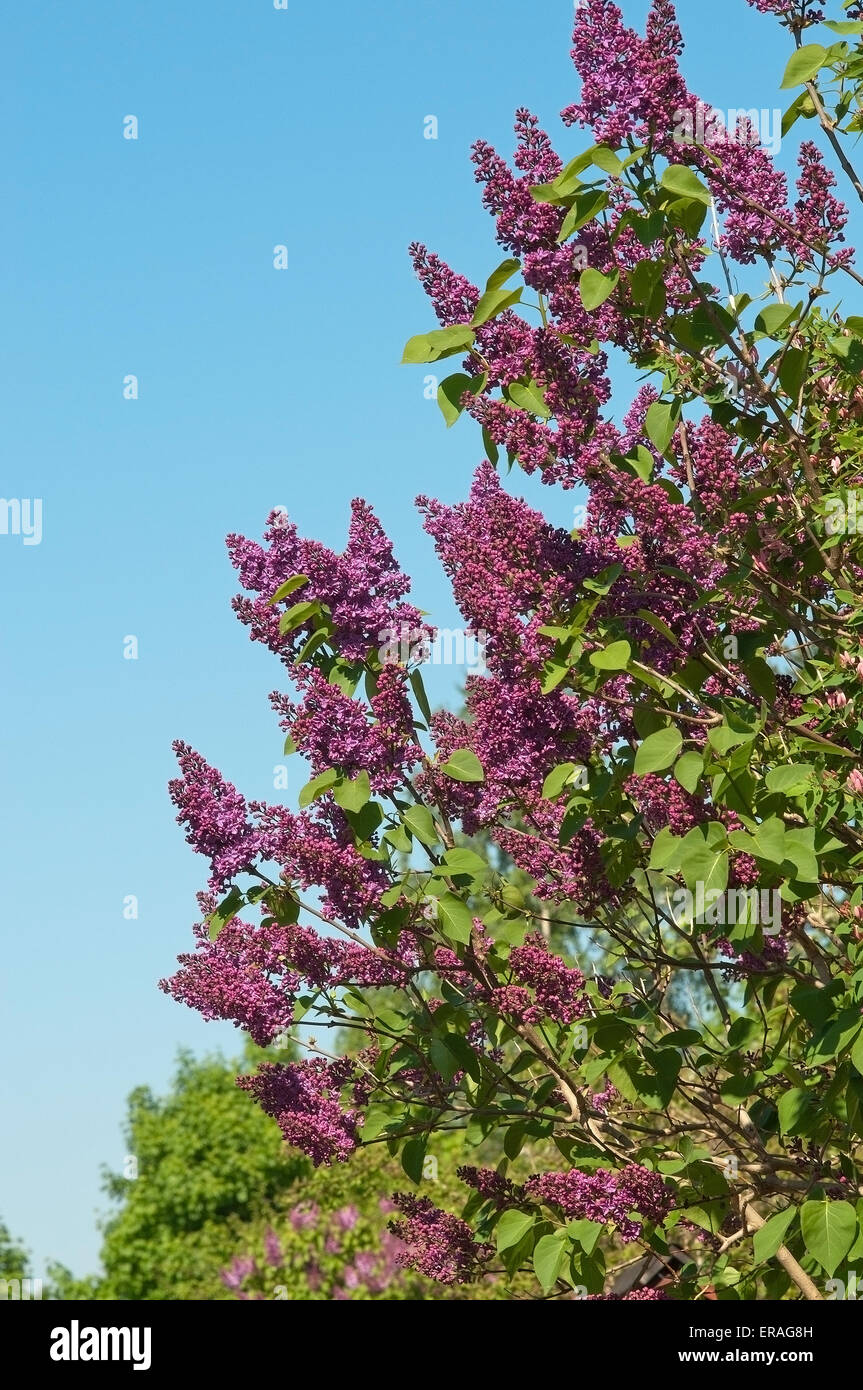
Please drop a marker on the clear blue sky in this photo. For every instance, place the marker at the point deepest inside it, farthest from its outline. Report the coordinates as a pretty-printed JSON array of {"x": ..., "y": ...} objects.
[{"x": 257, "y": 388}]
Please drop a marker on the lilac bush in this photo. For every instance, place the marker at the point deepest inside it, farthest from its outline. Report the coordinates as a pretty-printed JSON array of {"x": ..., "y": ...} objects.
[{"x": 607, "y": 921}]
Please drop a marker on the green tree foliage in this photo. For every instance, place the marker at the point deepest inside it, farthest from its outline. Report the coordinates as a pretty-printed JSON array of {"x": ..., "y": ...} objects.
[
  {"x": 14, "y": 1259},
  {"x": 208, "y": 1161}
]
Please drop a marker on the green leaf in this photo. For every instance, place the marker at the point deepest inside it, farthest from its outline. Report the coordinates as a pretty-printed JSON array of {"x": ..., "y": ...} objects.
[
  {"x": 412, "y": 1158},
  {"x": 857, "y": 1055},
  {"x": 615, "y": 657},
  {"x": 658, "y": 751},
  {"x": 464, "y": 861},
  {"x": 799, "y": 850},
  {"x": 441, "y": 342},
  {"x": 299, "y": 614},
  {"x": 605, "y": 159},
  {"x": 464, "y": 1055},
  {"x": 642, "y": 463},
  {"x": 228, "y": 908},
  {"x": 665, "y": 850},
  {"x": 512, "y": 1227},
  {"x": 450, "y": 393},
  {"x": 318, "y": 785},
  {"x": 724, "y": 738},
  {"x": 603, "y": 582},
  {"x": 798, "y": 1111},
  {"x": 836, "y": 1038},
  {"x": 797, "y": 109},
  {"x": 770, "y": 840},
  {"x": 399, "y": 839},
  {"x": 504, "y": 272},
  {"x": 792, "y": 373},
  {"x": 317, "y": 639},
  {"x": 681, "y": 1037},
  {"x": 568, "y": 179},
  {"x": 586, "y": 207},
  {"x": 647, "y": 287},
  {"x": 444, "y": 1061},
  {"x": 742, "y": 1032},
  {"x": 529, "y": 397},
  {"x": 680, "y": 180},
  {"x": 492, "y": 303},
  {"x": 420, "y": 822},
  {"x": 703, "y": 857},
  {"x": 556, "y": 780},
  {"x": 660, "y": 423},
  {"x": 419, "y": 690},
  {"x": 585, "y": 1233},
  {"x": 710, "y": 1216},
  {"x": 816, "y": 1005},
  {"x": 454, "y": 917},
  {"x": 492, "y": 452},
  {"x": 688, "y": 771},
  {"x": 353, "y": 795},
  {"x": 549, "y": 1258},
  {"x": 804, "y": 64},
  {"x": 771, "y": 1235},
  {"x": 464, "y": 766},
  {"x": 828, "y": 1231},
  {"x": 774, "y": 317},
  {"x": 295, "y": 582},
  {"x": 657, "y": 624},
  {"x": 790, "y": 779},
  {"x": 595, "y": 288}
]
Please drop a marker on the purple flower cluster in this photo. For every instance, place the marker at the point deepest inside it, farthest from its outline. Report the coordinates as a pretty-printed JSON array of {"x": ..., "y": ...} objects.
[
  {"x": 303, "y": 1098},
  {"x": 819, "y": 217},
  {"x": 240, "y": 977},
  {"x": 251, "y": 975},
  {"x": 316, "y": 848},
  {"x": 215, "y": 815},
  {"x": 630, "y": 85},
  {"x": 332, "y": 729},
  {"x": 506, "y": 564},
  {"x": 492, "y": 1186},
  {"x": 440, "y": 1246},
  {"x": 558, "y": 989},
  {"x": 362, "y": 588},
  {"x": 605, "y": 1196}
]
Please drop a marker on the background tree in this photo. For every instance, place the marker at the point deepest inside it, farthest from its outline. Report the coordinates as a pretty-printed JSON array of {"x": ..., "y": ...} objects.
[
  {"x": 206, "y": 1164},
  {"x": 14, "y": 1259}
]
